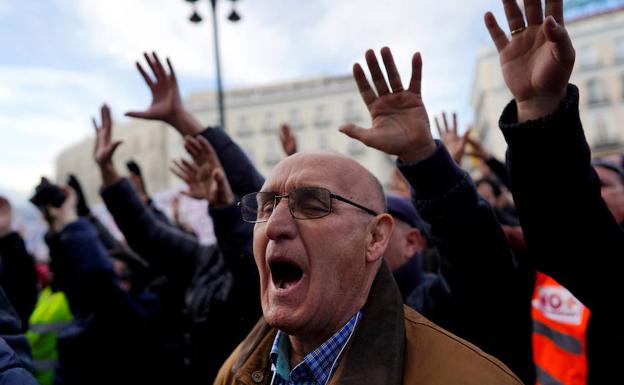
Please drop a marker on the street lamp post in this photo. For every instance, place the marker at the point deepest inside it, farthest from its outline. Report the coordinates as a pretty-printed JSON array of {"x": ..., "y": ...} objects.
[{"x": 233, "y": 17}]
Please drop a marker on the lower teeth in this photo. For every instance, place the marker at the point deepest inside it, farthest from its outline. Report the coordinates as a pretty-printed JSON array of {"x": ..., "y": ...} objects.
[{"x": 280, "y": 284}]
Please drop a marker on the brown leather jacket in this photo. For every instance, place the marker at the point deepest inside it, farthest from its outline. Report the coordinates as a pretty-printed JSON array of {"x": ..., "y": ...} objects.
[{"x": 392, "y": 344}]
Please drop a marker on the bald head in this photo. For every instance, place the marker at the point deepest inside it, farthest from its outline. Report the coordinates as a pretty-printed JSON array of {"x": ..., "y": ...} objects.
[{"x": 338, "y": 173}]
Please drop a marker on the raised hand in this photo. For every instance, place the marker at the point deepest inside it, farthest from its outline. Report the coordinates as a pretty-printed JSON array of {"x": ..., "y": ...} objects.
[
  {"x": 59, "y": 217},
  {"x": 288, "y": 140},
  {"x": 205, "y": 177},
  {"x": 400, "y": 125},
  {"x": 477, "y": 150},
  {"x": 455, "y": 144},
  {"x": 187, "y": 171},
  {"x": 6, "y": 216},
  {"x": 166, "y": 101},
  {"x": 537, "y": 61},
  {"x": 104, "y": 146}
]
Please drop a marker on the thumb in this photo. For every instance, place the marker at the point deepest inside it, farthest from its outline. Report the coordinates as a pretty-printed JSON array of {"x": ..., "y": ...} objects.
[
  {"x": 137, "y": 114},
  {"x": 114, "y": 146},
  {"x": 557, "y": 34},
  {"x": 355, "y": 132}
]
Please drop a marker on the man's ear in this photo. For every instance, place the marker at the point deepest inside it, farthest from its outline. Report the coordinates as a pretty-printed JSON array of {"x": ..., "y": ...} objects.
[
  {"x": 379, "y": 233},
  {"x": 416, "y": 242}
]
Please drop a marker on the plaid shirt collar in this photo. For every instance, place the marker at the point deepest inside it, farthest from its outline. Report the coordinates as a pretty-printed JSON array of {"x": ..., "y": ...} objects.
[{"x": 318, "y": 365}]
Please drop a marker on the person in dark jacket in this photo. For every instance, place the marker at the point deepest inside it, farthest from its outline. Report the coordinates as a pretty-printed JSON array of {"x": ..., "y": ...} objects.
[
  {"x": 109, "y": 323},
  {"x": 570, "y": 233},
  {"x": 15, "y": 360},
  {"x": 18, "y": 275},
  {"x": 136, "y": 177},
  {"x": 217, "y": 308}
]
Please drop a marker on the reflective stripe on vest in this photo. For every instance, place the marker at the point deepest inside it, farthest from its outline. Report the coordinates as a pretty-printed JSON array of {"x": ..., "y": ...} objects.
[
  {"x": 43, "y": 365},
  {"x": 48, "y": 327},
  {"x": 559, "y": 328}
]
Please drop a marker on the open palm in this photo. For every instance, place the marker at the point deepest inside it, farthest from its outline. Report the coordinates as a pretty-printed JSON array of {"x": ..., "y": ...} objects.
[
  {"x": 400, "y": 124},
  {"x": 538, "y": 59},
  {"x": 166, "y": 100}
]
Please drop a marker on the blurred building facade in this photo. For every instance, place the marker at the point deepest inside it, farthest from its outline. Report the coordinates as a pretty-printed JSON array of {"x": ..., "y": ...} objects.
[
  {"x": 314, "y": 108},
  {"x": 597, "y": 32}
]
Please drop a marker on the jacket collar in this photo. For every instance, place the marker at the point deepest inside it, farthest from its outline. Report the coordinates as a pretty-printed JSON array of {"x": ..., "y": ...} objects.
[{"x": 375, "y": 352}]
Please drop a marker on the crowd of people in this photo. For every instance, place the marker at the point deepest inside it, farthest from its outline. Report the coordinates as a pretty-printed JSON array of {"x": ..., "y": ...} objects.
[{"x": 319, "y": 275}]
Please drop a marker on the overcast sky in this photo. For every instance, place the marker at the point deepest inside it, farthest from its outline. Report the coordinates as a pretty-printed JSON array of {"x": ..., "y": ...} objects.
[{"x": 63, "y": 58}]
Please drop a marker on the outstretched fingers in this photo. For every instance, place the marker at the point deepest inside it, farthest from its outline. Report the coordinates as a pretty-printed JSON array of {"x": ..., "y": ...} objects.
[
  {"x": 146, "y": 77},
  {"x": 356, "y": 132},
  {"x": 152, "y": 65},
  {"x": 415, "y": 81},
  {"x": 514, "y": 15},
  {"x": 172, "y": 74},
  {"x": 367, "y": 93},
  {"x": 496, "y": 32},
  {"x": 376, "y": 73},
  {"x": 161, "y": 73},
  {"x": 554, "y": 8},
  {"x": 534, "y": 13},
  {"x": 393, "y": 73},
  {"x": 438, "y": 127},
  {"x": 106, "y": 123}
]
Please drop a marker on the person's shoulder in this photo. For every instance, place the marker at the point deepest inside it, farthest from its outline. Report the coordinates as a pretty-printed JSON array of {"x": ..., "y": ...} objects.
[
  {"x": 434, "y": 355},
  {"x": 226, "y": 374}
]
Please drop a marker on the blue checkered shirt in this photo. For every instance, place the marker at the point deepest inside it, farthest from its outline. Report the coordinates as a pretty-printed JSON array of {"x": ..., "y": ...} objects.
[{"x": 317, "y": 366}]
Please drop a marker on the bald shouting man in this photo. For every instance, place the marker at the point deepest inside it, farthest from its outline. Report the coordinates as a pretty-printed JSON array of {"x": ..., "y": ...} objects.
[{"x": 332, "y": 312}]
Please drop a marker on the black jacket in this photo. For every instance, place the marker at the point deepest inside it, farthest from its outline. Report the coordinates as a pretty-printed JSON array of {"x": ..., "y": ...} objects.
[
  {"x": 109, "y": 340},
  {"x": 570, "y": 233},
  {"x": 18, "y": 276},
  {"x": 218, "y": 309},
  {"x": 478, "y": 293}
]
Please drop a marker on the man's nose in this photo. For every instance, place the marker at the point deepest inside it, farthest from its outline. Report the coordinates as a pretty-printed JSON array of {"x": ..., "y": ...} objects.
[{"x": 281, "y": 225}]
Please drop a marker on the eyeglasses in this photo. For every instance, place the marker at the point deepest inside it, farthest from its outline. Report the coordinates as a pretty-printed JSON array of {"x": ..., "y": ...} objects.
[{"x": 303, "y": 203}]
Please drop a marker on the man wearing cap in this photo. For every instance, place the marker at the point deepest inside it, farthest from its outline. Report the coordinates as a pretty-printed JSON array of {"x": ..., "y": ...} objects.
[
  {"x": 404, "y": 254},
  {"x": 331, "y": 311}
]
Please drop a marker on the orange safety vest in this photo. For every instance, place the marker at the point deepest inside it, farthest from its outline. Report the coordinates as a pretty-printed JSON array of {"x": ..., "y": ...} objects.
[{"x": 559, "y": 329}]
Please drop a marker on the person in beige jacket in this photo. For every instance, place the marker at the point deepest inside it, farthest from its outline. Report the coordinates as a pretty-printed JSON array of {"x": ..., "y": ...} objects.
[{"x": 332, "y": 313}]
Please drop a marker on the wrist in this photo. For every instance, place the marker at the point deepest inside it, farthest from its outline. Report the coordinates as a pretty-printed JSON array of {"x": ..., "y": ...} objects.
[
  {"x": 61, "y": 223},
  {"x": 109, "y": 174},
  {"x": 185, "y": 123},
  {"x": 418, "y": 153},
  {"x": 540, "y": 107},
  {"x": 6, "y": 231}
]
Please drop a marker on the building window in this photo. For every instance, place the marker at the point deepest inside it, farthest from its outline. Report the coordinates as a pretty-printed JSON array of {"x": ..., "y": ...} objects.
[
  {"x": 602, "y": 134},
  {"x": 351, "y": 114},
  {"x": 294, "y": 119},
  {"x": 588, "y": 57},
  {"x": 321, "y": 119},
  {"x": 619, "y": 50},
  {"x": 323, "y": 142},
  {"x": 243, "y": 128},
  {"x": 596, "y": 92},
  {"x": 271, "y": 157},
  {"x": 268, "y": 125}
]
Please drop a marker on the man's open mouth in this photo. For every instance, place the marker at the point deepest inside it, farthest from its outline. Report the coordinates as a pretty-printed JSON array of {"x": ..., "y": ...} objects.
[{"x": 285, "y": 274}]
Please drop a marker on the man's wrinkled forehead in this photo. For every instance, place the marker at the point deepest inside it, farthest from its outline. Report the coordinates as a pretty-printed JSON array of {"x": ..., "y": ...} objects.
[
  {"x": 310, "y": 169},
  {"x": 304, "y": 171}
]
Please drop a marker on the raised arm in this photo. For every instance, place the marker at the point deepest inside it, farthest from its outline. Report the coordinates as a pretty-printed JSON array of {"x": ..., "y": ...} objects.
[
  {"x": 474, "y": 254},
  {"x": 169, "y": 250},
  {"x": 564, "y": 218},
  {"x": 167, "y": 107}
]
